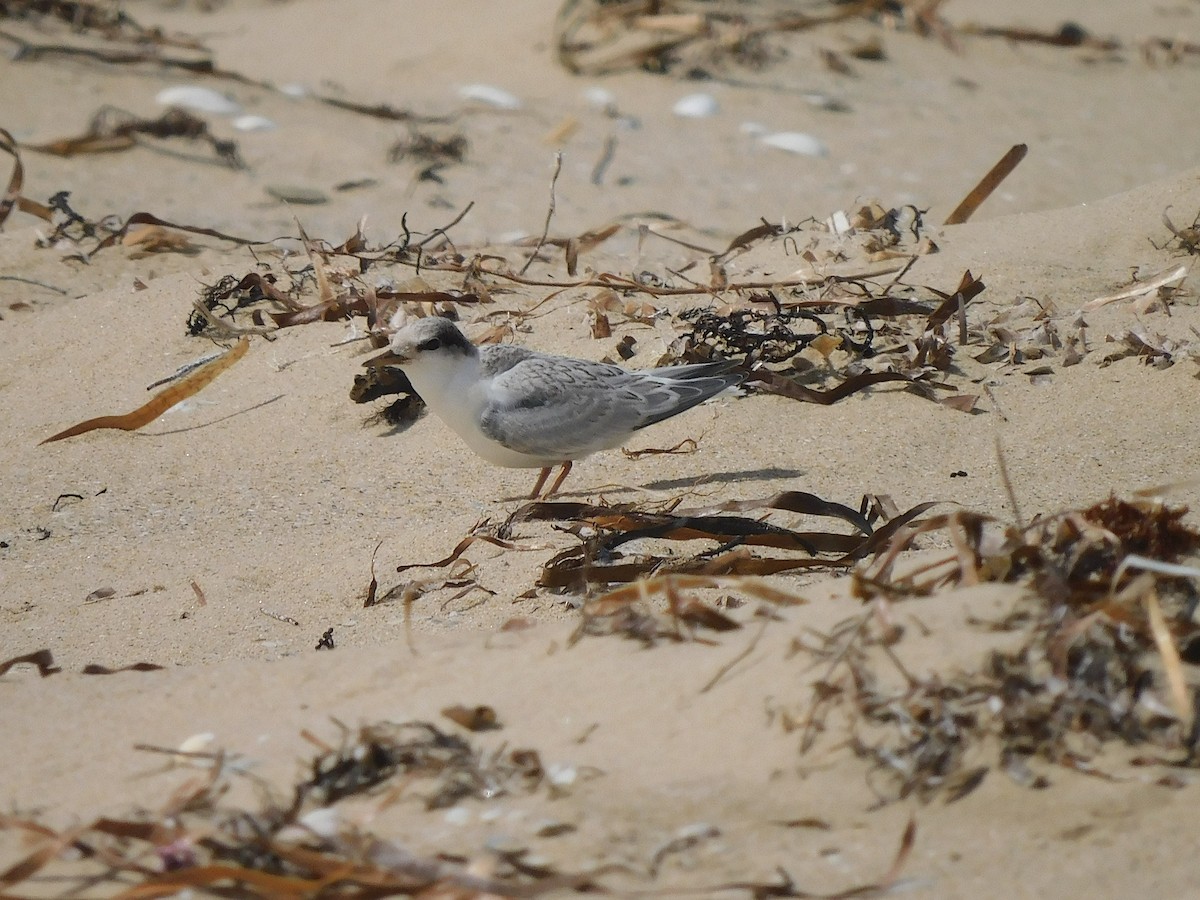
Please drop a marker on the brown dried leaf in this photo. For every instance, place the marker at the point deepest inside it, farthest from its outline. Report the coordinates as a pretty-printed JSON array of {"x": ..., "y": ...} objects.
[
  {"x": 969, "y": 287},
  {"x": 961, "y": 402},
  {"x": 473, "y": 718},
  {"x": 156, "y": 239}
]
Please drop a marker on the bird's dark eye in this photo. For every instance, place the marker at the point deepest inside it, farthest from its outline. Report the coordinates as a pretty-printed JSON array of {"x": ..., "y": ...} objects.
[{"x": 431, "y": 344}]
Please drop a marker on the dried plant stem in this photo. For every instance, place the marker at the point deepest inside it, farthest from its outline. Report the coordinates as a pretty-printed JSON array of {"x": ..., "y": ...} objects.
[
  {"x": 1002, "y": 464},
  {"x": 549, "y": 214},
  {"x": 725, "y": 669},
  {"x": 987, "y": 184}
]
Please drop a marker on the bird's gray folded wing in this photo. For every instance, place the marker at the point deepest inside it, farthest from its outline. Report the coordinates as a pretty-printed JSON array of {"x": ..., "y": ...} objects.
[
  {"x": 562, "y": 409},
  {"x": 555, "y": 409}
]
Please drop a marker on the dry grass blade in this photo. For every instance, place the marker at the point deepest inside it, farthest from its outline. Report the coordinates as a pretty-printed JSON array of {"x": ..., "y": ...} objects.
[
  {"x": 969, "y": 287},
  {"x": 30, "y": 865},
  {"x": 1176, "y": 274},
  {"x": 558, "y": 158},
  {"x": 987, "y": 185},
  {"x": 1172, "y": 664},
  {"x": 161, "y": 401}
]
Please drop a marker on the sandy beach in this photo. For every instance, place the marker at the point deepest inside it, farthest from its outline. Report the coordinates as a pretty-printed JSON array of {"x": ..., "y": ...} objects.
[{"x": 939, "y": 680}]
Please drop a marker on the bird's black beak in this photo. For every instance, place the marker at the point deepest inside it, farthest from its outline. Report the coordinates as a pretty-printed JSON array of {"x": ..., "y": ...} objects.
[{"x": 386, "y": 358}]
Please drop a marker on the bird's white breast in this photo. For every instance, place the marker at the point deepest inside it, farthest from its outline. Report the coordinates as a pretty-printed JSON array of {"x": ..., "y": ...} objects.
[{"x": 456, "y": 392}]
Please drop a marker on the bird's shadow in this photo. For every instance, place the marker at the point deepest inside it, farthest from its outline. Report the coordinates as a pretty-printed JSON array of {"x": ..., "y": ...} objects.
[{"x": 771, "y": 473}]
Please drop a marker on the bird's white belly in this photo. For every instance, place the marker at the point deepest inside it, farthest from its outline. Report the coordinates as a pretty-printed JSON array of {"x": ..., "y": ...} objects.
[{"x": 459, "y": 402}]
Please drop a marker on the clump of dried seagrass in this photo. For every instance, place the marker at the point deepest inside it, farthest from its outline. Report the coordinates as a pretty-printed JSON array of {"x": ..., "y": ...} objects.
[{"x": 1099, "y": 659}]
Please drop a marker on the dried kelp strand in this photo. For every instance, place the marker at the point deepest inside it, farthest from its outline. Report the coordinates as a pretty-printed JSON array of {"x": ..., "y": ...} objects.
[{"x": 161, "y": 401}]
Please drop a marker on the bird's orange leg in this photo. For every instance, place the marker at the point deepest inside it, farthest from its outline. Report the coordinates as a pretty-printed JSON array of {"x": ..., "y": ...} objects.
[
  {"x": 541, "y": 480},
  {"x": 562, "y": 476}
]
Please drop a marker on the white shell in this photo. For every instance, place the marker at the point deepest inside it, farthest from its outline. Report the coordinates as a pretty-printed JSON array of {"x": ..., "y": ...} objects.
[
  {"x": 197, "y": 742},
  {"x": 561, "y": 775},
  {"x": 796, "y": 142},
  {"x": 839, "y": 223},
  {"x": 253, "y": 123},
  {"x": 489, "y": 95},
  {"x": 600, "y": 98},
  {"x": 294, "y": 89},
  {"x": 696, "y": 106},
  {"x": 199, "y": 99}
]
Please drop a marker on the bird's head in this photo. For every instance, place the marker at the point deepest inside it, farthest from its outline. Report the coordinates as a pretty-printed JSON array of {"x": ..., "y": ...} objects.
[{"x": 425, "y": 344}]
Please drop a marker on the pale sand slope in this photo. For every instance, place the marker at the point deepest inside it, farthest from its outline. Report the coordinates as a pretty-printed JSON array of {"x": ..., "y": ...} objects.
[{"x": 268, "y": 491}]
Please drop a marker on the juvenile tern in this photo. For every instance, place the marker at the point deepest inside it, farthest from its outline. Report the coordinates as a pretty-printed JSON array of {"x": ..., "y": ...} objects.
[{"x": 523, "y": 409}]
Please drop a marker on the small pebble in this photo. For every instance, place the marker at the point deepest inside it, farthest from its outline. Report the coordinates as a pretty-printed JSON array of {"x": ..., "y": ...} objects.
[
  {"x": 198, "y": 99},
  {"x": 696, "y": 106},
  {"x": 490, "y": 96}
]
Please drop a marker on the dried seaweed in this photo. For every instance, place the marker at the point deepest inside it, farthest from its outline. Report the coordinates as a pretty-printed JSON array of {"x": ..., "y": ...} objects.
[
  {"x": 73, "y": 230},
  {"x": 1096, "y": 641},
  {"x": 598, "y": 558},
  {"x": 110, "y": 22},
  {"x": 711, "y": 38},
  {"x": 770, "y": 331},
  {"x": 113, "y": 129},
  {"x": 430, "y": 148},
  {"x": 111, "y": 36},
  {"x": 300, "y": 847},
  {"x": 162, "y": 401},
  {"x": 594, "y": 37}
]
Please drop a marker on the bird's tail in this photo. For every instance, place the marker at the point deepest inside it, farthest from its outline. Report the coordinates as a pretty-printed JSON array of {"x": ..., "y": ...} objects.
[{"x": 673, "y": 389}]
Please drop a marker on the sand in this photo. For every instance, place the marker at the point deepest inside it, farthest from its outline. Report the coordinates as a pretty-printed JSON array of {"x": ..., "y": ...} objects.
[{"x": 262, "y": 501}]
